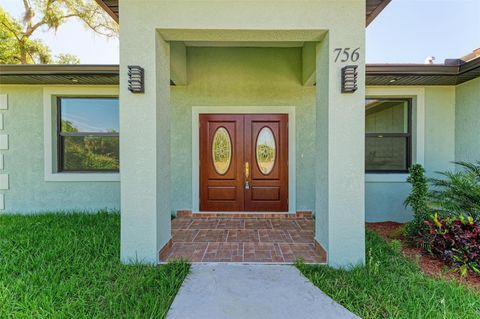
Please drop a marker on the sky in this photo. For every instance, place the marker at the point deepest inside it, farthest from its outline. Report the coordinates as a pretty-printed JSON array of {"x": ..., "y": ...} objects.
[{"x": 407, "y": 31}]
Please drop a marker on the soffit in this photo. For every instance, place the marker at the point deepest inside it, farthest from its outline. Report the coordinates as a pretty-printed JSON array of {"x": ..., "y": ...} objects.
[{"x": 80, "y": 74}]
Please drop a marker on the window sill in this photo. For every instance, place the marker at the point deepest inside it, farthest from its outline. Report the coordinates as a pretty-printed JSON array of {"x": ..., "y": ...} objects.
[
  {"x": 82, "y": 177},
  {"x": 386, "y": 177}
]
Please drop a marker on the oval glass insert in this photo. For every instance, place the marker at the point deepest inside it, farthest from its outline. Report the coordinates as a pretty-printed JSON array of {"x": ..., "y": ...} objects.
[
  {"x": 221, "y": 150},
  {"x": 266, "y": 150}
]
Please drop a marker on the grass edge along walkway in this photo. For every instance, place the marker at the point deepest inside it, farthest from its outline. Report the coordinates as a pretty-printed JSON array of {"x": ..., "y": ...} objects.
[
  {"x": 68, "y": 265},
  {"x": 391, "y": 286}
]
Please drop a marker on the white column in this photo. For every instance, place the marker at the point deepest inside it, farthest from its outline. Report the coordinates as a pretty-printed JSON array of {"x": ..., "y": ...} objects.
[
  {"x": 340, "y": 137},
  {"x": 145, "y": 149}
]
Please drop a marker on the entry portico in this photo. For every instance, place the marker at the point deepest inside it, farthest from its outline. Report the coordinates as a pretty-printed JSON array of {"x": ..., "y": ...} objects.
[{"x": 156, "y": 35}]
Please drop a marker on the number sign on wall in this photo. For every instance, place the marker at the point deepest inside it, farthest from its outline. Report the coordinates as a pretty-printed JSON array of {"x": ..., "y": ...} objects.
[
  {"x": 349, "y": 72},
  {"x": 347, "y": 55}
]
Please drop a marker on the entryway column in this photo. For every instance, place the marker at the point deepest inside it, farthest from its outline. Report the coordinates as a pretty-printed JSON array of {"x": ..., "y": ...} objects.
[
  {"x": 145, "y": 147},
  {"x": 340, "y": 138}
]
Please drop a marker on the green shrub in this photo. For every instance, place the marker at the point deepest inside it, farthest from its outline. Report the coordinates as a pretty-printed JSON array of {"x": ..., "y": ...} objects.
[
  {"x": 418, "y": 201},
  {"x": 458, "y": 192}
]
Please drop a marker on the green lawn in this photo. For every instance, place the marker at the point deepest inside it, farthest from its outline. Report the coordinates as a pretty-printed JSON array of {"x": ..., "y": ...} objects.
[
  {"x": 67, "y": 266},
  {"x": 390, "y": 286}
]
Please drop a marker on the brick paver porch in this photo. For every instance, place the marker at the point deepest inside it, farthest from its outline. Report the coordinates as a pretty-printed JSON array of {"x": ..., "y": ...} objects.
[{"x": 275, "y": 238}]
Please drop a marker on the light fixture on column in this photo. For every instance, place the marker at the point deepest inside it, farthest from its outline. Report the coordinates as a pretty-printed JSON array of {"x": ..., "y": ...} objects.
[
  {"x": 136, "y": 79},
  {"x": 349, "y": 78}
]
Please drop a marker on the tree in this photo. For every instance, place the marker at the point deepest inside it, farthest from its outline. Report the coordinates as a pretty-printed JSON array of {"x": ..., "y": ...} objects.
[
  {"x": 65, "y": 58},
  {"x": 35, "y": 50},
  {"x": 52, "y": 14}
]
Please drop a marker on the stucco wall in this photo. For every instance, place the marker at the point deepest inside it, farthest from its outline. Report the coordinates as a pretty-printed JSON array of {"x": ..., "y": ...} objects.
[
  {"x": 227, "y": 77},
  {"x": 275, "y": 82},
  {"x": 261, "y": 77},
  {"x": 24, "y": 163},
  {"x": 467, "y": 131},
  {"x": 144, "y": 220},
  {"x": 385, "y": 195}
]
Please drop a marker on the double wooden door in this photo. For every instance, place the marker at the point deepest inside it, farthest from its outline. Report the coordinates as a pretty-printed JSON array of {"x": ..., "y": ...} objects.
[{"x": 244, "y": 162}]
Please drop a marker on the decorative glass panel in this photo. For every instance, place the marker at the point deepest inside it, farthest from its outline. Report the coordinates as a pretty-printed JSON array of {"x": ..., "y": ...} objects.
[
  {"x": 266, "y": 150},
  {"x": 221, "y": 150}
]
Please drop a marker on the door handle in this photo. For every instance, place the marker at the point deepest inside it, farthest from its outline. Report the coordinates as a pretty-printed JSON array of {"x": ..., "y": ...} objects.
[{"x": 247, "y": 175}]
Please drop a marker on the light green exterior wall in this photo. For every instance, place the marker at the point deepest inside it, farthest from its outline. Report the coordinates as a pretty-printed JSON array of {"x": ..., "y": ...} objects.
[
  {"x": 216, "y": 82},
  {"x": 213, "y": 81},
  {"x": 149, "y": 28},
  {"x": 439, "y": 129},
  {"x": 467, "y": 137},
  {"x": 24, "y": 163},
  {"x": 384, "y": 199},
  {"x": 227, "y": 77}
]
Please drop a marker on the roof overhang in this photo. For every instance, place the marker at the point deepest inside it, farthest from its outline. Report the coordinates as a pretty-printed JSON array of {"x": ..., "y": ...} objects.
[
  {"x": 59, "y": 74},
  {"x": 422, "y": 74},
  {"x": 376, "y": 74},
  {"x": 373, "y": 8}
]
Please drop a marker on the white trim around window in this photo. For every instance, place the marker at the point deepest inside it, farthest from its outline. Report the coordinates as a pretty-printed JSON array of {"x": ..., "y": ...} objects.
[
  {"x": 50, "y": 94},
  {"x": 418, "y": 120}
]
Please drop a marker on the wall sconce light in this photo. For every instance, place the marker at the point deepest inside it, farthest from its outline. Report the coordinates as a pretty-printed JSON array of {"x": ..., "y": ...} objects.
[
  {"x": 136, "y": 79},
  {"x": 349, "y": 78}
]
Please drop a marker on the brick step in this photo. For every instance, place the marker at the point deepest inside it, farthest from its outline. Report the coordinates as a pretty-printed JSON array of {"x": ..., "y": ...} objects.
[
  {"x": 244, "y": 235},
  {"x": 187, "y": 213},
  {"x": 244, "y": 252},
  {"x": 189, "y": 225}
]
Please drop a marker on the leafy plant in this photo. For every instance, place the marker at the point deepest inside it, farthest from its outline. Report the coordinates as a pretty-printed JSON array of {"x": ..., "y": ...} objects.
[
  {"x": 455, "y": 240},
  {"x": 458, "y": 192},
  {"x": 33, "y": 50},
  {"x": 418, "y": 201},
  {"x": 49, "y": 15}
]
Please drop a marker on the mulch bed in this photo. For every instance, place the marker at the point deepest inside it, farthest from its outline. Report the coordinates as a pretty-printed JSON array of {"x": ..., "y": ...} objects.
[{"x": 428, "y": 264}]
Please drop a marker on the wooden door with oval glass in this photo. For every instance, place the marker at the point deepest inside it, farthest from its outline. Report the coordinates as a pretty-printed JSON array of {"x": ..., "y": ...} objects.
[{"x": 244, "y": 162}]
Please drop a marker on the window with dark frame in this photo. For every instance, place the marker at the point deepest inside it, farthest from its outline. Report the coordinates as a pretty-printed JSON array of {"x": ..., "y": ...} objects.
[
  {"x": 88, "y": 134},
  {"x": 388, "y": 135}
]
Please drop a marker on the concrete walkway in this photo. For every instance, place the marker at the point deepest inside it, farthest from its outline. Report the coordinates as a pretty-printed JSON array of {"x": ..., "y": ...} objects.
[{"x": 219, "y": 291}]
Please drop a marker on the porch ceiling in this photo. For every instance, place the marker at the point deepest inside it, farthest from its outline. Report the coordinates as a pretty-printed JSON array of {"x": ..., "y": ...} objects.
[
  {"x": 373, "y": 8},
  {"x": 247, "y": 44},
  {"x": 263, "y": 38}
]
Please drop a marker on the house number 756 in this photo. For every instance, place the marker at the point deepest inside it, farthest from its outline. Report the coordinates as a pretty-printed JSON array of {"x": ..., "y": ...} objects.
[{"x": 346, "y": 54}]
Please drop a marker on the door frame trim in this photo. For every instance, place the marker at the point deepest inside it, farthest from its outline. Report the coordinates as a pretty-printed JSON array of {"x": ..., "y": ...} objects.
[{"x": 290, "y": 110}]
